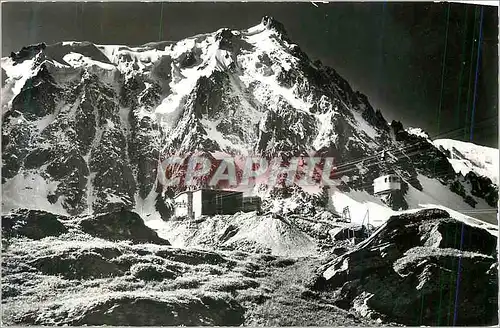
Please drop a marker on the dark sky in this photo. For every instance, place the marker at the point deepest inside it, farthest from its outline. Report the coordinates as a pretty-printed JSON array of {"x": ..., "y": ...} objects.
[{"x": 398, "y": 54}]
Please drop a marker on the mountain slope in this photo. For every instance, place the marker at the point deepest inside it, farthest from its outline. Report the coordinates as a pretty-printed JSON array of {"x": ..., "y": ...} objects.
[
  {"x": 467, "y": 157},
  {"x": 85, "y": 126}
]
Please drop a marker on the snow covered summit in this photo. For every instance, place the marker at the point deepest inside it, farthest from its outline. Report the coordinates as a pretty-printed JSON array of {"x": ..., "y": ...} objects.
[
  {"x": 467, "y": 157},
  {"x": 85, "y": 125}
]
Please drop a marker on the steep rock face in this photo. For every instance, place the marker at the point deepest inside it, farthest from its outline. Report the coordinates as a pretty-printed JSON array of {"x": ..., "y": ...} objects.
[
  {"x": 142, "y": 131},
  {"x": 430, "y": 161},
  {"x": 78, "y": 142},
  {"x": 483, "y": 187},
  {"x": 90, "y": 123},
  {"x": 420, "y": 261}
]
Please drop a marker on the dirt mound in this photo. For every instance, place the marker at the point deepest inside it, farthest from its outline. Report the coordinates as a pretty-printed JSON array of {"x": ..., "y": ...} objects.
[
  {"x": 423, "y": 268},
  {"x": 249, "y": 232}
]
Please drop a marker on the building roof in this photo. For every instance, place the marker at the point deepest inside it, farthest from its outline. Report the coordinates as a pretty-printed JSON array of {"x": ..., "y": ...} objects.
[
  {"x": 206, "y": 189},
  {"x": 385, "y": 176}
]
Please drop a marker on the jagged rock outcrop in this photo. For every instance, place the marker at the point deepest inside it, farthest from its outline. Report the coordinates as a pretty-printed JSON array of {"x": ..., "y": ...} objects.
[
  {"x": 27, "y": 52},
  {"x": 425, "y": 261},
  {"x": 483, "y": 187}
]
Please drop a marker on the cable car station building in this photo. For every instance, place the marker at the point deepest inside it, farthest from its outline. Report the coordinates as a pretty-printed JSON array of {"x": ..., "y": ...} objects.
[
  {"x": 193, "y": 204},
  {"x": 386, "y": 184}
]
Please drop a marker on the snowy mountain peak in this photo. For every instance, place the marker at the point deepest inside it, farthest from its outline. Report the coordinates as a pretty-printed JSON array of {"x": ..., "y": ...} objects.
[
  {"x": 87, "y": 124},
  {"x": 271, "y": 23}
]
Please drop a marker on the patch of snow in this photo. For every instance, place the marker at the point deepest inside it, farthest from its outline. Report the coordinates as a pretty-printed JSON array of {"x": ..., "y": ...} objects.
[
  {"x": 362, "y": 125},
  {"x": 124, "y": 119},
  {"x": 30, "y": 190},
  {"x": 436, "y": 193},
  {"x": 110, "y": 124},
  {"x": 491, "y": 228},
  {"x": 222, "y": 140},
  {"x": 362, "y": 206},
  {"x": 89, "y": 188},
  {"x": 326, "y": 134},
  {"x": 70, "y": 43},
  {"x": 417, "y": 132},
  {"x": 184, "y": 80},
  {"x": 16, "y": 77},
  {"x": 146, "y": 208},
  {"x": 466, "y": 157},
  {"x": 259, "y": 28},
  {"x": 43, "y": 122}
]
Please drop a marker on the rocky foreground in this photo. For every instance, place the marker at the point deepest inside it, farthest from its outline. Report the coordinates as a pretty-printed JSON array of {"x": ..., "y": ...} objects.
[
  {"x": 424, "y": 268},
  {"x": 111, "y": 269}
]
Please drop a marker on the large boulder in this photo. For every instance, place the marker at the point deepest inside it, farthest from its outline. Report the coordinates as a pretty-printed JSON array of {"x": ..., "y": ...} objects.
[
  {"x": 121, "y": 225},
  {"x": 423, "y": 268},
  {"x": 32, "y": 224}
]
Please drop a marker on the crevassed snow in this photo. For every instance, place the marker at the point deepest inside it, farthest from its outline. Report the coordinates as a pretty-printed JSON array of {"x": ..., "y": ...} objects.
[
  {"x": 466, "y": 157},
  {"x": 139, "y": 54},
  {"x": 107, "y": 72}
]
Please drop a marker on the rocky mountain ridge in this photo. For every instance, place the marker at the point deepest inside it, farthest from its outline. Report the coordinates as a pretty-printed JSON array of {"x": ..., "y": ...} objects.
[{"x": 85, "y": 125}]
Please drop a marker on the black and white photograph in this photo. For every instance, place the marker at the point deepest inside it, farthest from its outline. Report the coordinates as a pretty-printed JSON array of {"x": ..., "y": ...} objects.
[{"x": 249, "y": 163}]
